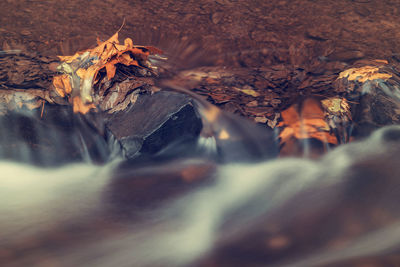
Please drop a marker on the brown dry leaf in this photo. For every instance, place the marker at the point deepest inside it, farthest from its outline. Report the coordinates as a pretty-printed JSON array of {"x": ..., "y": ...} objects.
[
  {"x": 153, "y": 50},
  {"x": 310, "y": 123},
  {"x": 258, "y": 111}
]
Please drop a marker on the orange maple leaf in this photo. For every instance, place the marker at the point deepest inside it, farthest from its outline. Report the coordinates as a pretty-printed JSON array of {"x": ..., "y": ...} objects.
[{"x": 310, "y": 123}]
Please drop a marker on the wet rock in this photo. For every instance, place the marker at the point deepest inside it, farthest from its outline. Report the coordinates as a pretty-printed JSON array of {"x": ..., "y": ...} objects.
[
  {"x": 59, "y": 136},
  {"x": 376, "y": 110},
  {"x": 154, "y": 122},
  {"x": 374, "y": 95},
  {"x": 56, "y": 137}
]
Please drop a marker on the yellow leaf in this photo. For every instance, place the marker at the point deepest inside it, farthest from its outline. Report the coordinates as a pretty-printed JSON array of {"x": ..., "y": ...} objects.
[
  {"x": 335, "y": 105},
  {"x": 363, "y": 74},
  {"x": 128, "y": 43},
  {"x": 248, "y": 92}
]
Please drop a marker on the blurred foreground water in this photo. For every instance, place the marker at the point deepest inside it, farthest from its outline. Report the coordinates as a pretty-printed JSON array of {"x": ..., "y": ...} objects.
[{"x": 207, "y": 207}]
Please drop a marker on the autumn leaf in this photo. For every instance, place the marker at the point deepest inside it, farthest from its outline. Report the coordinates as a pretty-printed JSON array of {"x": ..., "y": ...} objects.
[
  {"x": 248, "y": 91},
  {"x": 336, "y": 106},
  {"x": 309, "y": 123},
  {"x": 363, "y": 74},
  {"x": 62, "y": 85},
  {"x": 80, "y": 107},
  {"x": 78, "y": 82}
]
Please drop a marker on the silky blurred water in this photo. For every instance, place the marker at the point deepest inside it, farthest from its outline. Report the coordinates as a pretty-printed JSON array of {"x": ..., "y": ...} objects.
[{"x": 151, "y": 214}]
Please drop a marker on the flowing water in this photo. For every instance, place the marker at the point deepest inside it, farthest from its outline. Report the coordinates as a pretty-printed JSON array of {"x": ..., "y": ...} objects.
[
  {"x": 172, "y": 211},
  {"x": 231, "y": 201}
]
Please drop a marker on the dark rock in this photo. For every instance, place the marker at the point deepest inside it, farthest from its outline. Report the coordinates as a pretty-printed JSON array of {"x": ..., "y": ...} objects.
[
  {"x": 153, "y": 122},
  {"x": 391, "y": 135},
  {"x": 374, "y": 111},
  {"x": 59, "y": 136}
]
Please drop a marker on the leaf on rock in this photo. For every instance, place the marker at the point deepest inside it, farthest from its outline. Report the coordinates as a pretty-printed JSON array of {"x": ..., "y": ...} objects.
[
  {"x": 59, "y": 85},
  {"x": 110, "y": 69},
  {"x": 62, "y": 85},
  {"x": 363, "y": 74},
  {"x": 85, "y": 68}
]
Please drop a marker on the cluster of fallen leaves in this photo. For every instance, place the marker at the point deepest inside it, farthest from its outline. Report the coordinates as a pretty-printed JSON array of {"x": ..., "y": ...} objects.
[
  {"x": 366, "y": 73},
  {"x": 83, "y": 71},
  {"x": 234, "y": 91}
]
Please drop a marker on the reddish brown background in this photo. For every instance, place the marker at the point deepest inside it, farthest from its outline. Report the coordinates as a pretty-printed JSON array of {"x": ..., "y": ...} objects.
[{"x": 270, "y": 31}]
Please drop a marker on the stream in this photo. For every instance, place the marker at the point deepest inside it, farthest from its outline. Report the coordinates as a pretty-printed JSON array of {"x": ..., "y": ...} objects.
[
  {"x": 207, "y": 209},
  {"x": 70, "y": 195}
]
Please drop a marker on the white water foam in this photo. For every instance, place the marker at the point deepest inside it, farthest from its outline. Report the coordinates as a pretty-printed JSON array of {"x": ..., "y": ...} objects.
[{"x": 187, "y": 228}]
